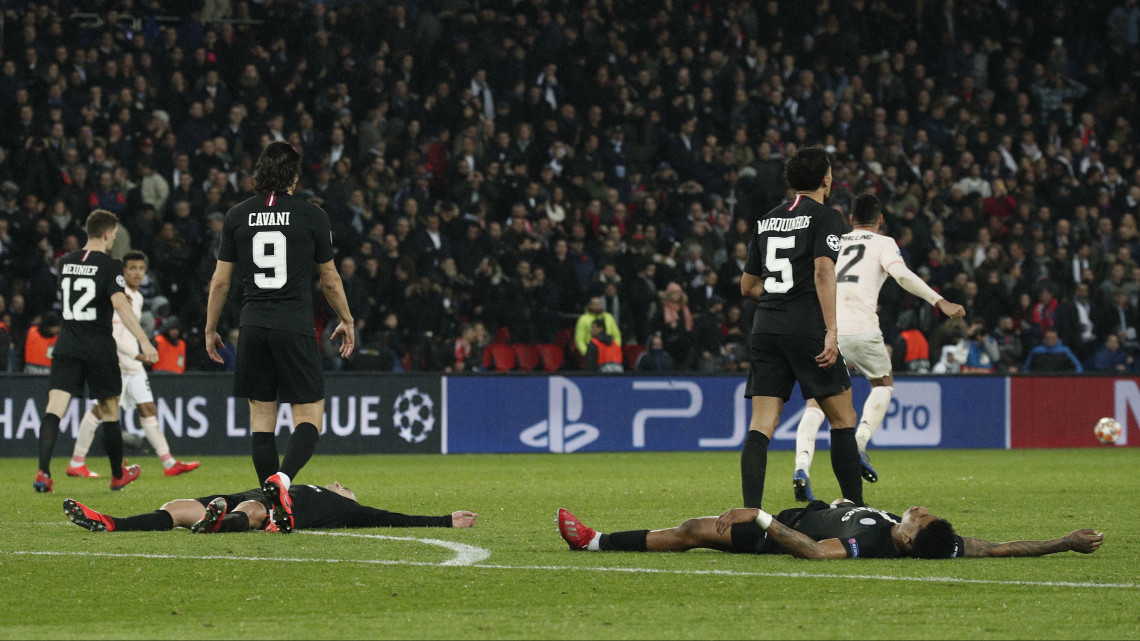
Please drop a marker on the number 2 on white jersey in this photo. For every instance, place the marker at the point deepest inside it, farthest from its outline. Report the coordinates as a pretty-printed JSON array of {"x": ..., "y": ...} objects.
[
  {"x": 274, "y": 260},
  {"x": 775, "y": 264},
  {"x": 85, "y": 288}
]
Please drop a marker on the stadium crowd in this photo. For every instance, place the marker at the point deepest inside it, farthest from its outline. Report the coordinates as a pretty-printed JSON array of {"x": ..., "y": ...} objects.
[{"x": 509, "y": 171}]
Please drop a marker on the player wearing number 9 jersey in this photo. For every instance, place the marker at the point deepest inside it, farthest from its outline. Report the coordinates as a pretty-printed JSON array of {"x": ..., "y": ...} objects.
[
  {"x": 91, "y": 290},
  {"x": 790, "y": 271},
  {"x": 274, "y": 239}
]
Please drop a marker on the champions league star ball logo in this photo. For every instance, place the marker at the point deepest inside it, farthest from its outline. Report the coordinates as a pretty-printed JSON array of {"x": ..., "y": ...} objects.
[{"x": 413, "y": 414}]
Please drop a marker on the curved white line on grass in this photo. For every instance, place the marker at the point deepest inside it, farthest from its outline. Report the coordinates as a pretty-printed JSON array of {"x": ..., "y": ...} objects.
[
  {"x": 464, "y": 554},
  {"x": 570, "y": 568}
]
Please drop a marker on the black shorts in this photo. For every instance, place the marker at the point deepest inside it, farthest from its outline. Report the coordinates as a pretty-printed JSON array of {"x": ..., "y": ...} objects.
[
  {"x": 748, "y": 538},
  {"x": 102, "y": 376},
  {"x": 234, "y": 500},
  {"x": 779, "y": 360},
  {"x": 276, "y": 365}
]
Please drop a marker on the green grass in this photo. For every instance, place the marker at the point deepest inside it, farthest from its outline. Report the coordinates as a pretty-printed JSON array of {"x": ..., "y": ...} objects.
[{"x": 549, "y": 592}]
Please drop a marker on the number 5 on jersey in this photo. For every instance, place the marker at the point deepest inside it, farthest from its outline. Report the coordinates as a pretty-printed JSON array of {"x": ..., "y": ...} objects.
[
  {"x": 273, "y": 259},
  {"x": 775, "y": 264}
]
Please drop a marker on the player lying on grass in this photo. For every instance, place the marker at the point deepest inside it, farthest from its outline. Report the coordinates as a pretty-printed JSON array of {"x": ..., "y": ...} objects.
[
  {"x": 841, "y": 530},
  {"x": 331, "y": 506}
]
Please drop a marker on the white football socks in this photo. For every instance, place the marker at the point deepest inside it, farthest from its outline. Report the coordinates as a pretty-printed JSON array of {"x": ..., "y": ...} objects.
[
  {"x": 874, "y": 410},
  {"x": 595, "y": 543},
  {"x": 87, "y": 428},
  {"x": 154, "y": 435},
  {"x": 805, "y": 437}
]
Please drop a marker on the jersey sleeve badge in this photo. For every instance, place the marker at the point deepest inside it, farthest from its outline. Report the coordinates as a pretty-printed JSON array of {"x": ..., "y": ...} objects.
[
  {"x": 833, "y": 242},
  {"x": 120, "y": 281}
]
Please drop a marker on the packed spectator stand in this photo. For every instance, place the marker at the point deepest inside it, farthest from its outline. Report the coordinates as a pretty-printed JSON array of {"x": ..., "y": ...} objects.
[{"x": 495, "y": 171}]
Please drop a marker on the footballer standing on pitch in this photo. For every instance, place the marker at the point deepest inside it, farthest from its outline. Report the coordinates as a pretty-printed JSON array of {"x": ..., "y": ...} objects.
[
  {"x": 790, "y": 271},
  {"x": 274, "y": 239},
  {"x": 91, "y": 290}
]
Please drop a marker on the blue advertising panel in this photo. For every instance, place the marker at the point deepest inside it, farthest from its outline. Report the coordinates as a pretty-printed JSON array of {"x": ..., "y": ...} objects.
[{"x": 626, "y": 414}]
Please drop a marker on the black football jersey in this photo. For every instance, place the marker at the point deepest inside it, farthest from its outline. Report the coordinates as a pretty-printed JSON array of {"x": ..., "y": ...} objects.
[
  {"x": 87, "y": 280},
  {"x": 275, "y": 239},
  {"x": 864, "y": 531},
  {"x": 787, "y": 241},
  {"x": 318, "y": 507}
]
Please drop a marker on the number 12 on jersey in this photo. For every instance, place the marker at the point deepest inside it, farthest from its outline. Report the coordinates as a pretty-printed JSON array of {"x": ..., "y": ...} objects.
[
  {"x": 273, "y": 259},
  {"x": 85, "y": 290}
]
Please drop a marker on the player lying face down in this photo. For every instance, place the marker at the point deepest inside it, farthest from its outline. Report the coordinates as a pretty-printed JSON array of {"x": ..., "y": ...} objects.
[
  {"x": 841, "y": 530},
  {"x": 331, "y": 506}
]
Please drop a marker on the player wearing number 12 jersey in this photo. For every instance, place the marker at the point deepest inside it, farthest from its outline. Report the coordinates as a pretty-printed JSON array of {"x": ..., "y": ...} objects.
[
  {"x": 274, "y": 239},
  {"x": 91, "y": 289},
  {"x": 790, "y": 270},
  {"x": 866, "y": 258}
]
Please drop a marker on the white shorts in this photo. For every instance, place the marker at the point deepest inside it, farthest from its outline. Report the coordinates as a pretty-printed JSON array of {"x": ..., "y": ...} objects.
[
  {"x": 136, "y": 391},
  {"x": 867, "y": 353}
]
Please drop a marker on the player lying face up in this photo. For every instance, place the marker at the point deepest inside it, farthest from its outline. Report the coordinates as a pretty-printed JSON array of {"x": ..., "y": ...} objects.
[
  {"x": 841, "y": 530},
  {"x": 314, "y": 507}
]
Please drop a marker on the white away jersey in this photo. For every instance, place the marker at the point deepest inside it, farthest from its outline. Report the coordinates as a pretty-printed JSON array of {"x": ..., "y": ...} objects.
[
  {"x": 125, "y": 342},
  {"x": 860, "y": 272}
]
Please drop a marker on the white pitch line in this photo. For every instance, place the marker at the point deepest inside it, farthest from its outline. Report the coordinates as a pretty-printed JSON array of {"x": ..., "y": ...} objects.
[
  {"x": 570, "y": 568},
  {"x": 464, "y": 554}
]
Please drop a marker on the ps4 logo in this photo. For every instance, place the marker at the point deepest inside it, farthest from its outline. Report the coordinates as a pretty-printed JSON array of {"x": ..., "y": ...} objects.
[{"x": 561, "y": 432}]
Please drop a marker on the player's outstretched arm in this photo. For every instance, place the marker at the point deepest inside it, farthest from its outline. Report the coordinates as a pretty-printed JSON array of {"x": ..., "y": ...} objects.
[
  {"x": 795, "y": 543},
  {"x": 148, "y": 354},
  {"x": 910, "y": 281},
  {"x": 1084, "y": 541},
  {"x": 463, "y": 518},
  {"x": 219, "y": 289},
  {"x": 333, "y": 289}
]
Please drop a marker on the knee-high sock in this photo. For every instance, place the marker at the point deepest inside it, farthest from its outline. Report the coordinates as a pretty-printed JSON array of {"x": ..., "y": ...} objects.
[
  {"x": 299, "y": 449},
  {"x": 156, "y": 521},
  {"x": 805, "y": 437},
  {"x": 49, "y": 432},
  {"x": 845, "y": 463},
  {"x": 113, "y": 443},
  {"x": 631, "y": 541},
  {"x": 265, "y": 460},
  {"x": 753, "y": 467},
  {"x": 234, "y": 522},
  {"x": 154, "y": 436},
  {"x": 87, "y": 428},
  {"x": 874, "y": 410}
]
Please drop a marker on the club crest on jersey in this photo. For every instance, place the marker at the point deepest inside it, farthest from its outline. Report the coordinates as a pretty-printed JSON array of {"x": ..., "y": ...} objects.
[{"x": 833, "y": 242}]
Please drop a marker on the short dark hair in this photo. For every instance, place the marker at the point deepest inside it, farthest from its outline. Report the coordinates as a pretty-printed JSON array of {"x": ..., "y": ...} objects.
[
  {"x": 277, "y": 168},
  {"x": 935, "y": 541},
  {"x": 135, "y": 254},
  {"x": 99, "y": 222},
  {"x": 807, "y": 168},
  {"x": 865, "y": 209},
  {"x": 599, "y": 323}
]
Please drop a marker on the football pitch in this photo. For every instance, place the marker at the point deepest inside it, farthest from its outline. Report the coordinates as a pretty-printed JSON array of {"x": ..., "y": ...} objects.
[{"x": 511, "y": 576}]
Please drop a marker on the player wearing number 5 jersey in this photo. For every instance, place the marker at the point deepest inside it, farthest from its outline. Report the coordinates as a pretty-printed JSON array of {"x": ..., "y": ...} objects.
[
  {"x": 91, "y": 290},
  {"x": 790, "y": 270},
  {"x": 274, "y": 239},
  {"x": 866, "y": 258}
]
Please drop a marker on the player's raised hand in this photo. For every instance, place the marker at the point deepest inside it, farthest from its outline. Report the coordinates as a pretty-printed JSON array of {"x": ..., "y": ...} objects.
[
  {"x": 1084, "y": 541},
  {"x": 463, "y": 518},
  {"x": 734, "y": 516},
  {"x": 347, "y": 332},
  {"x": 149, "y": 354},
  {"x": 830, "y": 352},
  {"x": 953, "y": 310},
  {"x": 213, "y": 342}
]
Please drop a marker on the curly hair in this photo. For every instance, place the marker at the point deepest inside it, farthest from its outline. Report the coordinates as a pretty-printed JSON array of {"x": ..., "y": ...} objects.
[
  {"x": 865, "y": 209},
  {"x": 935, "y": 541},
  {"x": 807, "y": 168},
  {"x": 277, "y": 168}
]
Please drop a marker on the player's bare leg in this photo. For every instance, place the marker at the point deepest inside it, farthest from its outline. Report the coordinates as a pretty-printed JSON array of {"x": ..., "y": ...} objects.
[
  {"x": 247, "y": 515},
  {"x": 148, "y": 421},
  {"x": 806, "y": 432},
  {"x": 49, "y": 433},
  {"x": 844, "y": 451},
  {"x": 692, "y": 533},
  {"x": 754, "y": 455},
  {"x": 874, "y": 411}
]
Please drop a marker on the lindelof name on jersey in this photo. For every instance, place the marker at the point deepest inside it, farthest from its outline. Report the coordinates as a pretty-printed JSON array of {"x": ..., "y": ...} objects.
[
  {"x": 268, "y": 218},
  {"x": 782, "y": 224},
  {"x": 80, "y": 270}
]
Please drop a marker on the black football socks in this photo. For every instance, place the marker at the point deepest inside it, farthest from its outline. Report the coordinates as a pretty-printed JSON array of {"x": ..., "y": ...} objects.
[
  {"x": 753, "y": 466},
  {"x": 113, "y": 443},
  {"x": 299, "y": 449},
  {"x": 156, "y": 521},
  {"x": 49, "y": 432},
  {"x": 631, "y": 541},
  {"x": 235, "y": 522},
  {"x": 265, "y": 460},
  {"x": 845, "y": 463}
]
